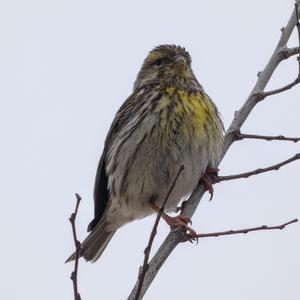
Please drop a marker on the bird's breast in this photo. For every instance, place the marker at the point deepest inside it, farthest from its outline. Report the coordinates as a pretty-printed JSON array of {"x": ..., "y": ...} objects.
[{"x": 187, "y": 117}]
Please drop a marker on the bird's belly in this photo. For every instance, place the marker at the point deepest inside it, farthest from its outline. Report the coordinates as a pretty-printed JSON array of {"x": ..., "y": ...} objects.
[
  {"x": 194, "y": 163},
  {"x": 150, "y": 160},
  {"x": 150, "y": 177}
]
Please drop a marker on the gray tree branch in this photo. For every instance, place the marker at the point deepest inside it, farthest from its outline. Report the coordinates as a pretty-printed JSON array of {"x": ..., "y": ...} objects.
[
  {"x": 258, "y": 171},
  {"x": 77, "y": 244},
  {"x": 246, "y": 230},
  {"x": 241, "y": 136},
  {"x": 176, "y": 236}
]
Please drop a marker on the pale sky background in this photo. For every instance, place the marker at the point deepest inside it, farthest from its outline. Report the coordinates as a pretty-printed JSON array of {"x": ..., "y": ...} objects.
[{"x": 65, "y": 68}]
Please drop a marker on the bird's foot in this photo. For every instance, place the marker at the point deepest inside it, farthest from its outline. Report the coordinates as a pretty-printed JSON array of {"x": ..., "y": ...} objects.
[
  {"x": 178, "y": 221},
  {"x": 209, "y": 179},
  {"x": 183, "y": 222},
  {"x": 213, "y": 171}
]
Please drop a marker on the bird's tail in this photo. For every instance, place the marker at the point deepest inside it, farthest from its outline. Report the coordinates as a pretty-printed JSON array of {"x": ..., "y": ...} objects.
[{"x": 95, "y": 243}]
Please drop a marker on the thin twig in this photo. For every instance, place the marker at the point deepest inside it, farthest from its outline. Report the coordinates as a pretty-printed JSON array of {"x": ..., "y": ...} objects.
[
  {"x": 258, "y": 171},
  {"x": 241, "y": 136},
  {"x": 245, "y": 230},
  {"x": 152, "y": 236},
  {"x": 72, "y": 219},
  {"x": 298, "y": 31},
  {"x": 282, "y": 89}
]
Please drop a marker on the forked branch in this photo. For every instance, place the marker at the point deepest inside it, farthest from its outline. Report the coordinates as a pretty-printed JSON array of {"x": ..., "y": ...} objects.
[
  {"x": 282, "y": 89},
  {"x": 263, "y": 95},
  {"x": 77, "y": 244}
]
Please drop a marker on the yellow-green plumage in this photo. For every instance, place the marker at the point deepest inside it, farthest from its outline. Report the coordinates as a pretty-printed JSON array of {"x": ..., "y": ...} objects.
[
  {"x": 168, "y": 121},
  {"x": 196, "y": 108}
]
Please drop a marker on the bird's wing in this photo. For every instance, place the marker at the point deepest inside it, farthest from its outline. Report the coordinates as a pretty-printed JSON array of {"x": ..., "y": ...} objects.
[{"x": 101, "y": 192}]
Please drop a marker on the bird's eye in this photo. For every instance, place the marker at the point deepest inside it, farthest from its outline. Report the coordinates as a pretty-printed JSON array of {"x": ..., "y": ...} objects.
[{"x": 158, "y": 62}]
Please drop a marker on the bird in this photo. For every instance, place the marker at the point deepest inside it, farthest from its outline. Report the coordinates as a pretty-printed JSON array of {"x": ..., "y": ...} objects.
[{"x": 167, "y": 122}]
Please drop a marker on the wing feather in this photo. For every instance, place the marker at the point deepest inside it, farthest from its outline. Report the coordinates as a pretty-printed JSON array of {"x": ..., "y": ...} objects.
[{"x": 101, "y": 191}]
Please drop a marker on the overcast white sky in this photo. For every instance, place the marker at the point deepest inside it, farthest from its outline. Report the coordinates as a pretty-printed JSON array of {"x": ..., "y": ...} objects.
[{"x": 66, "y": 67}]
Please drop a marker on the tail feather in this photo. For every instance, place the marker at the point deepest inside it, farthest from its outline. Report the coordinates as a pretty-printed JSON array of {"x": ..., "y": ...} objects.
[{"x": 95, "y": 243}]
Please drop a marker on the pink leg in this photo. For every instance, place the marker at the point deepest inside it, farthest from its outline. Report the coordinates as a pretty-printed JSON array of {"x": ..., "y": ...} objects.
[{"x": 178, "y": 221}]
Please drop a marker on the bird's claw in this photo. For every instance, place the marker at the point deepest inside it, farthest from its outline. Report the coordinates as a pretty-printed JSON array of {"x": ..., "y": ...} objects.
[
  {"x": 209, "y": 179},
  {"x": 192, "y": 238},
  {"x": 181, "y": 221},
  {"x": 178, "y": 221}
]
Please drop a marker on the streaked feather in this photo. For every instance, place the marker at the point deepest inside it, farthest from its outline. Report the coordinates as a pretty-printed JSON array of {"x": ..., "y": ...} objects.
[{"x": 168, "y": 121}]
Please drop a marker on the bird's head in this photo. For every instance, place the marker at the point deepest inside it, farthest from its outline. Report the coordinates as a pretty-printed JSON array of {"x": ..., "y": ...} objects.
[{"x": 167, "y": 64}]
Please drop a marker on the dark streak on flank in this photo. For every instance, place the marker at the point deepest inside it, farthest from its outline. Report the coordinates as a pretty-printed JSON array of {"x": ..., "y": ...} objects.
[
  {"x": 113, "y": 188},
  {"x": 132, "y": 130},
  {"x": 130, "y": 161}
]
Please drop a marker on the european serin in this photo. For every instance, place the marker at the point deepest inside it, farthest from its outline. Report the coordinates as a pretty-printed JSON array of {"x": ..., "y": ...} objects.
[{"x": 168, "y": 121}]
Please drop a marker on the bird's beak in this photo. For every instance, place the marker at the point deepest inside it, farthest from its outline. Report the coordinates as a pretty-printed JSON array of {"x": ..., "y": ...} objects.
[{"x": 180, "y": 64}]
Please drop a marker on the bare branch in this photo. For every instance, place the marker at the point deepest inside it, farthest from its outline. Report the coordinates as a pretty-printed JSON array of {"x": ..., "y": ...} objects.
[
  {"x": 263, "y": 95},
  {"x": 152, "y": 236},
  {"x": 175, "y": 236},
  {"x": 245, "y": 230},
  {"x": 258, "y": 171},
  {"x": 263, "y": 79},
  {"x": 77, "y": 244},
  {"x": 298, "y": 31},
  {"x": 241, "y": 136},
  {"x": 282, "y": 89},
  {"x": 288, "y": 52}
]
